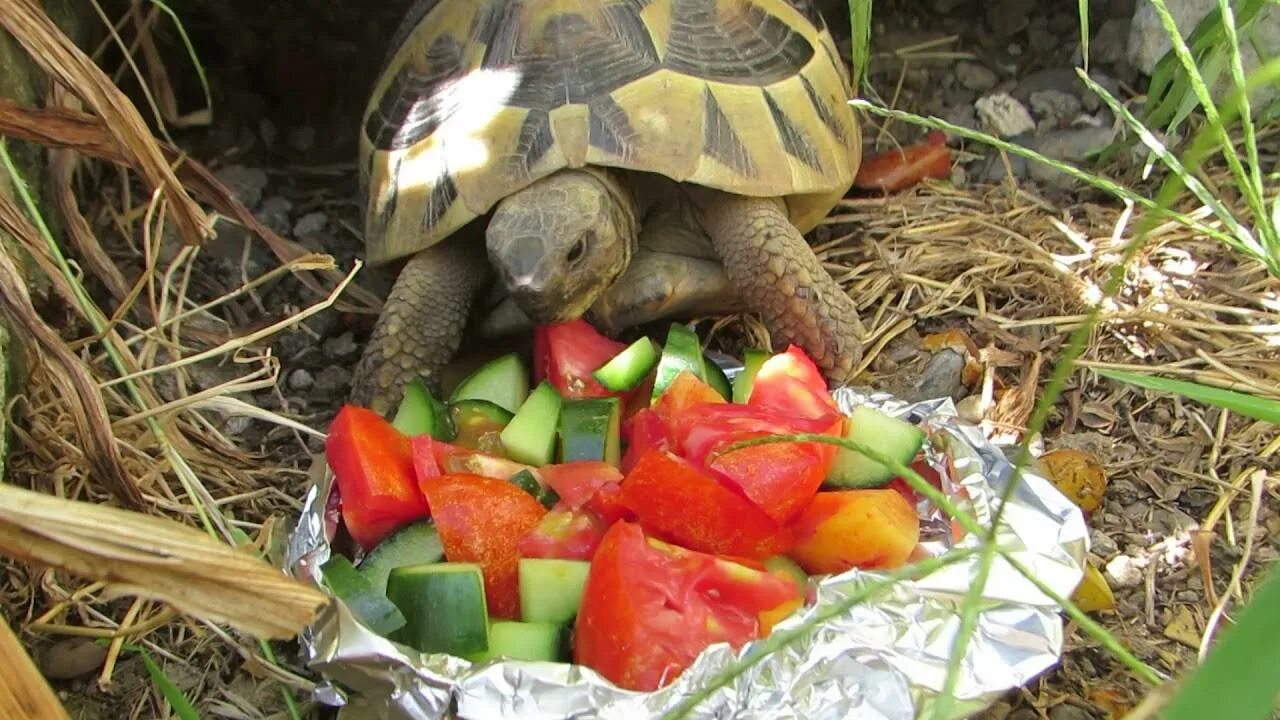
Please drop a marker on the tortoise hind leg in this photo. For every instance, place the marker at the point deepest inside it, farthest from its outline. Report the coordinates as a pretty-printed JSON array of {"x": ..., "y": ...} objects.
[
  {"x": 422, "y": 322},
  {"x": 779, "y": 277}
]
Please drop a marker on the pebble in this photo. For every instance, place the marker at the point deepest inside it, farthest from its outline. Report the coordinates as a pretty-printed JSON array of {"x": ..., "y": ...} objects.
[
  {"x": 71, "y": 658},
  {"x": 1054, "y": 108},
  {"x": 274, "y": 213},
  {"x": 312, "y": 223},
  {"x": 1102, "y": 544},
  {"x": 1125, "y": 571},
  {"x": 1110, "y": 43},
  {"x": 342, "y": 347},
  {"x": 301, "y": 379},
  {"x": 1067, "y": 711},
  {"x": 975, "y": 77},
  {"x": 1005, "y": 116},
  {"x": 237, "y": 425},
  {"x": 333, "y": 380},
  {"x": 245, "y": 183}
]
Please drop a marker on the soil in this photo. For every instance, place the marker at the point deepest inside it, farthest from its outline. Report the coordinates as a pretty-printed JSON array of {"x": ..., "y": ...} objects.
[{"x": 289, "y": 81}]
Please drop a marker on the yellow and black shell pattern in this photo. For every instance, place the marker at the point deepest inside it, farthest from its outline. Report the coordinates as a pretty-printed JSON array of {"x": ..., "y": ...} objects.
[{"x": 480, "y": 98}]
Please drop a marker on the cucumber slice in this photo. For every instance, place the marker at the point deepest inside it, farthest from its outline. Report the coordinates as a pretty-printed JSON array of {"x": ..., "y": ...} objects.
[
  {"x": 444, "y": 607},
  {"x": 414, "y": 544},
  {"x": 530, "y": 641},
  {"x": 717, "y": 379},
  {"x": 479, "y": 463},
  {"x": 551, "y": 588},
  {"x": 589, "y": 430},
  {"x": 369, "y": 606},
  {"x": 752, "y": 359},
  {"x": 893, "y": 436},
  {"x": 784, "y": 566},
  {"x": 628, "y": 368},
  {"x": 478, "y": 424},
  {"x": 503, "y": 381},
  {"x": 530, "y": 437},
  {"x": 682, "y": 352},
  {"x": 528, "y": 482},
  {"x": 420, "y": 413}
]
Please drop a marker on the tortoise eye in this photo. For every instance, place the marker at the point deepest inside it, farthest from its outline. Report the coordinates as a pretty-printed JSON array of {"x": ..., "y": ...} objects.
[{"x": 579, "y": 249}]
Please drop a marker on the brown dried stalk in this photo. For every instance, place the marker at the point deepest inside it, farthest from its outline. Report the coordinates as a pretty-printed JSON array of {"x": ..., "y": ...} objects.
[
  {"x": 158, "y": 559},
  {"x": 23, "y": 691},
  {"x": 61, "y": 58}
]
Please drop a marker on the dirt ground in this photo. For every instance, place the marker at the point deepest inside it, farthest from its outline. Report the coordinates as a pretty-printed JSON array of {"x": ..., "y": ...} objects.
[{"x": 1009, "y": 260}]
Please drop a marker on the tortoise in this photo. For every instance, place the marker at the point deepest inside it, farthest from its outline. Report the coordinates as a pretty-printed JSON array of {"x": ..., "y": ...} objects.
[{"x": 619, "y": 160}]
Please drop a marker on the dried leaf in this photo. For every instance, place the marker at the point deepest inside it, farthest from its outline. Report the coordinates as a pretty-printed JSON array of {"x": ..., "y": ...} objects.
[
  {"x": 156, "y": 558},
  {"x": 1093, "y": 593},
  {"x": 959, "y": 341},
  {"x": 1078, "y": 475},
  {"x": 1183, "y": 628},
  {"x": 24, "y": 693}
]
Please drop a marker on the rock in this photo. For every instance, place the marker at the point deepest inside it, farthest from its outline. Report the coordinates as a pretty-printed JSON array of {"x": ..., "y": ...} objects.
[
  {"x": 301, "y": 379},
  {"x": 1073, "y": 146},
  {"x": 313, "y": 223},
  {"x": 302, "y": 138},
  {"x": 962, "y": 115},
  {"x": 341, "y": 348},
  {"x": 1003, "y": 115},
  {"x": 1006, "y": 17},
  {"x": 1102, "y": 545},
  {"x": 1109, "y": 44},
  {"x": 1067, "y": 711},
  {"x": 333, "y": 380},
  {"x": 274, "y": 213},
  {"x": 1125, "y": 571},
  {"x": 975, "y": 77},
  {"x": 1054, "y": 108},
  {"x": 245, "y": 183},
  {"x": 71, "y": 658},
  {"x": 237, "y": 425}
]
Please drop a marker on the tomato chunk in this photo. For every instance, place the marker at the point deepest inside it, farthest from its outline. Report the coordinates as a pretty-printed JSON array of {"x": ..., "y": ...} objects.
[
  {"x": 685, "y": 392},
  {"x": 648, "y": 430},
  {"x": 843, "y": 529},
  {"x": 706, "y": 430},
  {"x": 900, "y": 168},
  {"x": 790, "y": 384},
  {"x": 373, "y": 468},
  {"x": 564, "y": 533},
  {"x": 650, "y": 608},
  {"x": 482, "y": 520},
  {"x": 676, "y": 500},
  {"x": 780, "y": 478},
  {"x": 567, "y": 353},
  {"x": 576, "y": 482}
]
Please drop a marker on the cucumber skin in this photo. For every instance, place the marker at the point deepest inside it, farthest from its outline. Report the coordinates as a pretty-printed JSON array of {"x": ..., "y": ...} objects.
[
  {"x": 444, "y": 608},
  {"x": 376, "y": 569},
  {"x": 681, "y": 352},
  {"x": 628, "y": 368},
  {"x": 540, "y": 413},
  {"x": 717, "y": 379},
  {"x": 368, "y": 604},
  {"x": 893, "y": 436},
  {"x": 551, "y": 588},
  {"x": 752, "y": 359},
  {"x": 526, "y": 481},
  {"x": 421, "y": 413},
  {"x": 589, "y": 430},
  {"x": 527, "y": 641}
]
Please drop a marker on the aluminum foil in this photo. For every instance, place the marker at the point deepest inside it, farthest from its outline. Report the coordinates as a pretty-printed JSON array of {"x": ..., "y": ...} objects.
[{"x": 884, "y": 659}]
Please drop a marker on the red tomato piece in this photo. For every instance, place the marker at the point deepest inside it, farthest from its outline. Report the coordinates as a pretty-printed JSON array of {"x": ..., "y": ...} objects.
[
  {"x": 896, "y": 169},
  {"x": 685, "y": 392},
  {"x": 481, "y": 520},
  {"x": 564, "y": 533},
  {"x": 425, "y": 465},
  {"x": 675, "y": 499},
  {"x": 458, "y": 460},
  {"x": 780, "y": 478},
  {"x": 567, "y": 353},
  {"x": 648, "y": 430},
  {"x": 373, "y": 468},
  {"x": 790, "y": 384},
  {"x": 607, "y": 504},
  {"x": 705, "y": 430},
  {"x": 576, "y": 482},
  {"x": 650, "y": 608}
]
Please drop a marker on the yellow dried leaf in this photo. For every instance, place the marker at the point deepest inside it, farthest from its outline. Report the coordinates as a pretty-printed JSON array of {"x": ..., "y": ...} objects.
[
  {"x": 1078, "y": 475},
  {"x": 1093, "y": 593},
  {"x": 1183, "y": 628}
]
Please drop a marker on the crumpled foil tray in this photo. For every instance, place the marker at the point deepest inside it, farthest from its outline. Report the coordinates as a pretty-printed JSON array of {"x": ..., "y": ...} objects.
[{"x": 885, "y": 659}]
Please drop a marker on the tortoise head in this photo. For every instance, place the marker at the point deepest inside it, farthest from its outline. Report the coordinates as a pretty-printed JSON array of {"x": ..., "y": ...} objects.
[{"x": 559, "y": 243}]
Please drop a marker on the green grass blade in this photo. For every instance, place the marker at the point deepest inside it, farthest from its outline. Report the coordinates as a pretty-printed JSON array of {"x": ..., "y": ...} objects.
[
  {"x": 182, "y": 707},
  {"x": 191, "y": 51},
  {"x": 1240, "y": 678},
  {"x": 1258, "y": 408},
  {"x": 1083, "y": 10},
  {"x": 860, "y": 29}
]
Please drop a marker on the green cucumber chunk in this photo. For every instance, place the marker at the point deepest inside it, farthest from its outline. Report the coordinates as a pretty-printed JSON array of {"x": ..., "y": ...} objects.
[
  {"x": 681, "y": 352},
  {"x": 786, "y": 567},
  {"x": 892, "y": 436},
  {"x": 420, "y": 413},
  {"x": 478, "y": 425},
  {"x": 530, "y": 437},
  {"x": 414, "y": 544},
  {"x": 628, "y": 368},
  {"x": 551, "y": 588},
  {"x": 368, "y": 604},
  {"x": 502, "y": 381},
  {"x": 527, "y": 481},
  {"x": 717, "y": 379},
  {"x": 529, "y": 641},
  {"x": 752, "y": 359},
  {"x": 590, "y": 430},
  {"x": 444, "y": 607}
]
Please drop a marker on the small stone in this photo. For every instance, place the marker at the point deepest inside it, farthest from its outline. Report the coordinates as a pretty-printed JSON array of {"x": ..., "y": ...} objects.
[
  {"x": 970, "y": 409},
  {"x": 1125, "y": 571},
  {"x": 71, "y": 658},
  {"x": 1067, "y": 711},
  {"x": 237, "y": 425},
  {"x": 302, "y": 138},
  {"x": 1005, "y": 116},
  {"x": 963, "y": 116},
  {"x": 301, "y": 379},
  {"x": 333, "y": 380},
  {"x": 342, "y": 347},
  {"x": 1054, "y": 108},
  {"x": 975, "y": 77},
  {"x": 1109, "y": 44},
  {"x": 1184, "y": 628},
  {"x": 245, "y": 183},
  {"x": 274, "y": 213},
  {"x": 1014, "y": 49},
  {"x": 312, "y": 223},
  {"x": 1102, "y": 544}
]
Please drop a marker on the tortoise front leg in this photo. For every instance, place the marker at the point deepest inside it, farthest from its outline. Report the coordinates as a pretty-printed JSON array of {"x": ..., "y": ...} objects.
[
  {"x": 660, "y": 285},
  {"x": 422, "y": 322},
  {"x": 779, "y": 277}
]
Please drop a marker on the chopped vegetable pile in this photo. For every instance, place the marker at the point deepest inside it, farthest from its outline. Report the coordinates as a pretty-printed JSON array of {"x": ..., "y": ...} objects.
[{"x": 593, "y": 512}]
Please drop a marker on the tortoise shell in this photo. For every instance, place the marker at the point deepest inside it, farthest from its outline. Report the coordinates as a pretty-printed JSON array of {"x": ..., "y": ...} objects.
[{"x": 480, "y": 98}]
